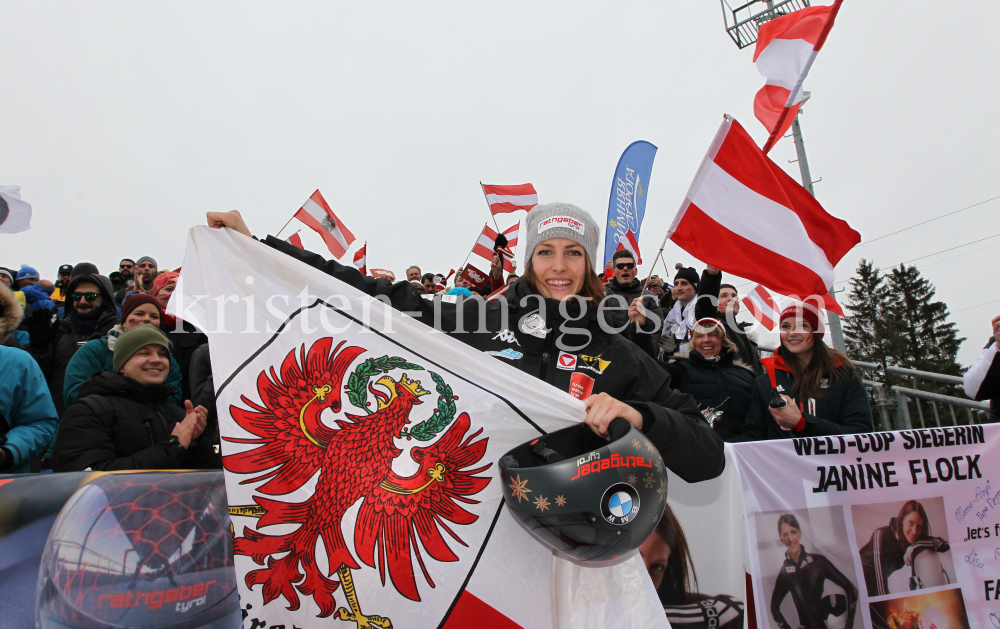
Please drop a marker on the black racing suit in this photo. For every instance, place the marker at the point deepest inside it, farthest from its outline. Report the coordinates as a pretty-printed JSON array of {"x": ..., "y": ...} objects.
[
  {"x": 721, "y": 611},
  {"x": 880, "y": 557},
  {"x": 804, "y": 580},
  {"x": 883, "y": 555}
]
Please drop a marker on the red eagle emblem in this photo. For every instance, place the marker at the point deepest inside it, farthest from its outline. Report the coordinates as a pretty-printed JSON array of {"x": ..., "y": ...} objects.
[{"x": 354, "y": 461}]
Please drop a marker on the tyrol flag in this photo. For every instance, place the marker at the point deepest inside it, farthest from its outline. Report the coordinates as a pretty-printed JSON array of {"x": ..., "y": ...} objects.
[
  {"x": 487, "y": 241},
  {"x": 15, "y": 214},
  {"x": 786, "y": 49},
  {"x": 361, "y": 259},
  {"x": 745, "y": 216},
  {"x": 761, "y": 305},
  {"x": 316, "y": 213},
  {"x": 627, "y": 205},
  {"x": 504, "y": 199},
  {"x": 359, "y": 447}
]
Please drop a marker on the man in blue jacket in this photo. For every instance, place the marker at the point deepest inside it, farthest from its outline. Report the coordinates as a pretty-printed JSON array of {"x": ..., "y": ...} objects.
[{"x": 28, "y": 417}]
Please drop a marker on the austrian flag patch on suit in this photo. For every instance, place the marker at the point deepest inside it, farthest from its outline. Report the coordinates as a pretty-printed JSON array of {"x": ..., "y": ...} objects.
[{"x": 566, "y": 361}]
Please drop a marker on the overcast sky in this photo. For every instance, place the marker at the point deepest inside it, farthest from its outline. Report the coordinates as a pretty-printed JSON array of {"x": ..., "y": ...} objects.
[{"x": 125, "y": 122}]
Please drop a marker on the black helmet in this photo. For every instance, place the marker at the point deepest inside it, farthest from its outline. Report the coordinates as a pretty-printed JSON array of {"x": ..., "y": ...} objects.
[{"x": 588, "y": 498}]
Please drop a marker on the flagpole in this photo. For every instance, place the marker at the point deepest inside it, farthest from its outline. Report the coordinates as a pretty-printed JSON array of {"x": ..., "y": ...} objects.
[
  {"x": 658, "y": 254},
  {"x": 483, "y": 188},
  {"x": 283, "y": 228}
]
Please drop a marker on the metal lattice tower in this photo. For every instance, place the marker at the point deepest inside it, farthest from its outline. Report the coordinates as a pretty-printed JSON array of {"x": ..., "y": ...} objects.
[{"x": 743, "y": 22}]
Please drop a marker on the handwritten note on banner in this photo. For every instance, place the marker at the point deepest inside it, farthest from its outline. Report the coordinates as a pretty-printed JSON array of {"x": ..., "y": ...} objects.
[{"x": 883, "y": 530}]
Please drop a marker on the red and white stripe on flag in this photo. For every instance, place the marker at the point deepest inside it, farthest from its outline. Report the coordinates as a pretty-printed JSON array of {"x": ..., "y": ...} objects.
[
  {"x": 761, "y": 305},
  {"x": 361, "y": 259},
  {"x": 744, "y": 215},
  {"x": 295, "y": 240},
  {"x": 503, "y": 199},
  {"x": 487, "y": 240},
  {"x": 316, "y": 213},
  {"x": 633, "y": 246},
  {"x": 786, "y": 49}
]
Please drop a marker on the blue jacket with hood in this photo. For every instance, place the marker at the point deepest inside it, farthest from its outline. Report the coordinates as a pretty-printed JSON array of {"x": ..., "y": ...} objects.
[{"x": 28, "y": 417}]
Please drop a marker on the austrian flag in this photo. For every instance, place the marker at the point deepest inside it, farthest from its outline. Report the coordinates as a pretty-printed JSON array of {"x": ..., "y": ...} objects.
[
  {"x": 786, "y": 49},
  {"x": 361, "y": 259},
  {"x": 761, "y": 305},
  {"x": 487, "y": 241},
  {"x": 316, "y": 213},
  {"x": 746, "y": 216},
  {"x": 504, "y": 199}
]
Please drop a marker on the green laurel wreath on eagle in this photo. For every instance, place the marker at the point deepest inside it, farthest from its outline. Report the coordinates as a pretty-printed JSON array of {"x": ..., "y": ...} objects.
[{"x": 357, "y": 394}]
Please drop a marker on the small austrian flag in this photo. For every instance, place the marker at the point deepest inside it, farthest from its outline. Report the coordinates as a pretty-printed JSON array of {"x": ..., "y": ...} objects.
[
  {"x": 761, "y": 305},
  {"x": 316, "y": 213},
  {"x": 360, "y": 259},
  {"x": 633, "y": 246},
  {"x": 488, "y": 240},
  {"x": 504, "y": 199},
  {"x": 295, "y": 241}
]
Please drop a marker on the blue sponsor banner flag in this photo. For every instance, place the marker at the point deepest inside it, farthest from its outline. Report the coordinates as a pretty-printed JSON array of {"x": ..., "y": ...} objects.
[{"x": 627, "y": 206}]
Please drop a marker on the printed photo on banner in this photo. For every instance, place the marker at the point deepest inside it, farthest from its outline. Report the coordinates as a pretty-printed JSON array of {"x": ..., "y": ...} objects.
[
  {"x": 807, "y": 570},
  {"x": 695, "y": 555},
  {"x": 903, "y": 546},
  {"x": 940, "y": 610}
]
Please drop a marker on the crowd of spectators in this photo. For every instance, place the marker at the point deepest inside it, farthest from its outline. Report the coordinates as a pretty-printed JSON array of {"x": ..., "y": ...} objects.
[{"x": 95, "y": 375}]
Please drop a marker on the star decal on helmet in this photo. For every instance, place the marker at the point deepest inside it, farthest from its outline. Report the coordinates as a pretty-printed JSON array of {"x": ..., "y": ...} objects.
[
  {"x": 635, "y": 444},
  {"x": 648, "y": 480},
  {"x": 542, "y": 503},
  {"x": 519, "y": 488},
  {"x": 632, "y": 480},
  {"x": 560, "y": 501},
  {"x": 651, "y": 447}
]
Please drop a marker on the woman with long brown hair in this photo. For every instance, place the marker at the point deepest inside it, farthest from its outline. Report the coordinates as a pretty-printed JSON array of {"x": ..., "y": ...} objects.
[
  {"x": 901, "y": 544},
  {"x": 548, "y": 326},
  {"x": 808, "y": 390}
]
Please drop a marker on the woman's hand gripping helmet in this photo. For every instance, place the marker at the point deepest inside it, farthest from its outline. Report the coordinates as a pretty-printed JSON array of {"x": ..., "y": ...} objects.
[{"x": 589, "y": 499}]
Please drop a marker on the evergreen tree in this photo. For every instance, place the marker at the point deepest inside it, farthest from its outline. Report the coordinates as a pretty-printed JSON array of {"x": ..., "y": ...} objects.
[
  {"x": 870, "y": 332},
  {"x": 926, "y": 339}
]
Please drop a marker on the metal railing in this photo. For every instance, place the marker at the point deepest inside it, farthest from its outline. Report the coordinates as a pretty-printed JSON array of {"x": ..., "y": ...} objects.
[
  {"x": 743, "y": 22},
  {"x": 902, "y": 408}
]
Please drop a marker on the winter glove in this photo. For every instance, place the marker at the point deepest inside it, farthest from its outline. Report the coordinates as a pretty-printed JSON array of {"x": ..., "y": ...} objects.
[
  {"x": 40, "y": 328},
  {"x": 937, "y": 544}
]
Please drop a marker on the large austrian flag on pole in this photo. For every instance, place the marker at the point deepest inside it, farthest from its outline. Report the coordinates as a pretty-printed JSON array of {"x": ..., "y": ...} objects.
[
  {"x": 360, "y": 446},
  {"x": 786, "y": 49},
  {"x": 504, "y": 199},
  {"x": 316, "y": 213},
  {"x": 745, "y": 216}
]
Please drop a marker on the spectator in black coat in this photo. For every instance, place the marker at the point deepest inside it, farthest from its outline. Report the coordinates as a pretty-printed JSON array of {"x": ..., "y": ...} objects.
[
  {"x": 640, "y": 324},
  {"x": 89, "y": 313},
  {"x": 729, "y": 307},
  {"x": 715, "y": 376},
  {"x": 820, "y": 386},
  {"x": 982, "y": 380},
  {"x": 122, "y": 420}
]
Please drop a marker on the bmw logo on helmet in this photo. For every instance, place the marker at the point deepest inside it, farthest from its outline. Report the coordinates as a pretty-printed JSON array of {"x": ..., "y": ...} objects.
[
  {"x": 620, "y": 504},
  {"x": 586, "y": 498}
]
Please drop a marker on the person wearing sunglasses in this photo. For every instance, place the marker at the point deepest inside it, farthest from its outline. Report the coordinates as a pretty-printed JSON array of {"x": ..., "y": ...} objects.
[
  {"x": 88, "y": 313},
  {"x": 637, "y": 320},
  {"x": 122, "y": 278}
]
